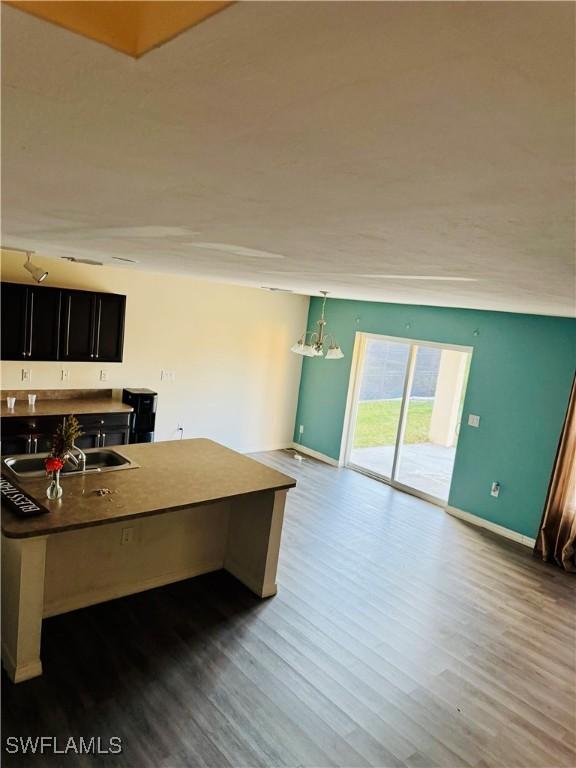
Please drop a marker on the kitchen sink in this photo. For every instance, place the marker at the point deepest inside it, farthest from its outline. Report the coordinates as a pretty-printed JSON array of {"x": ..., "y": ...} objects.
[{"x": 97, "y": 460}]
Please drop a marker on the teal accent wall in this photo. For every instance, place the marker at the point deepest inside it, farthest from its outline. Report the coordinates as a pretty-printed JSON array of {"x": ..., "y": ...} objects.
[{"x": 520, "y": 379}]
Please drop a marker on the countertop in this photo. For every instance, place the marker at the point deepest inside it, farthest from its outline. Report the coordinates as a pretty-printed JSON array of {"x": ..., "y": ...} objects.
[
  {"x": 64, "y": 407},
  {"x": 172, "y": 475}
]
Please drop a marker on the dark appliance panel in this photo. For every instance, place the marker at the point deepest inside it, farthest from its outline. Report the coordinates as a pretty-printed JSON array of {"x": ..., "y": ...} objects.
[{"x": 143, "y": 418}]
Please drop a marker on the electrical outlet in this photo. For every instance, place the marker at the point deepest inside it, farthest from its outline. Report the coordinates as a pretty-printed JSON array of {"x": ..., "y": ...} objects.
[
  {"x": 495, "y": 489},
  {"x": 26, "y": 374},
  {"x": 301, "y": 429},
  {"x": 65, "y": 374},
  {"x": 473, "y": 421},
  {"x": 127, "y": 536},
  {"x": 103, "y": 375},
  {"x": 167, "y": 376}
]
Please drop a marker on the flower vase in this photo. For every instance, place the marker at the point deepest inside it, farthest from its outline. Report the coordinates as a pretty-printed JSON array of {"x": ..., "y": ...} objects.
[{"x": 54, "y": 490}]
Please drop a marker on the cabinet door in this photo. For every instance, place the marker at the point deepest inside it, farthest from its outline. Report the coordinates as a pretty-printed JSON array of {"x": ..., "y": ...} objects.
[
  {"x": 113, "y": 436},
  {"x": 14, "y": 299},
  {"x": 43, "y": 443},
  {"x": 44, "y": 323},
  {"x": 13, "y": 445},
  {"x": 109, "y": 341},
  {"x": 90, "y": 439},
  {"x": 78, "y": 325}
]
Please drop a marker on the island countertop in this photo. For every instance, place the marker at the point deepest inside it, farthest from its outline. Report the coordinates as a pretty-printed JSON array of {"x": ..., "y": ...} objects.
[{"x": 172, "y": 475}]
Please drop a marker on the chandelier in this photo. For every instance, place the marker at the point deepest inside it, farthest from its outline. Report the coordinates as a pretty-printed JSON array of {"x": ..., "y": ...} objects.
[{"x": 314, "y": 347}]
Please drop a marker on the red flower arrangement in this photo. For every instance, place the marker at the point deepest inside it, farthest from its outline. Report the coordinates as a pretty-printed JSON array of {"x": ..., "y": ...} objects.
[{"x": 53, "y": 464}]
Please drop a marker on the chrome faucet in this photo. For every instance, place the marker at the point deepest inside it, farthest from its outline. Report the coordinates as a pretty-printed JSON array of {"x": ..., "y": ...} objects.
[{"x": 79, "y": 461}]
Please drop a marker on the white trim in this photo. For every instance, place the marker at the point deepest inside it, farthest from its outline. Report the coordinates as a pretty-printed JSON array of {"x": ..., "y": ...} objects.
[
  {"x": 418, "y": 342},
  {"x": 404, "y": 406},
  {"x": 315, "y": 454},
  {"x": 266, "y": 448},
  {"x": 352, "y": 398},
  {"x": 501, "y": 530},
  {"x": 18, "y": 674},
  {"x": 397, "y": 486}
]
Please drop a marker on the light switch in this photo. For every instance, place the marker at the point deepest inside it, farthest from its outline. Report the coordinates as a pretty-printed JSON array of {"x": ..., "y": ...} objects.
[
  {"x": 473, "y": 421},
  {"x": 65, "y": 374},
  {"x": 103, "y": 375}
]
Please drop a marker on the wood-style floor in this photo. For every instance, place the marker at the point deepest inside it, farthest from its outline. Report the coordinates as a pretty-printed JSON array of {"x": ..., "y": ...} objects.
[{"x": 399, "y": 637}]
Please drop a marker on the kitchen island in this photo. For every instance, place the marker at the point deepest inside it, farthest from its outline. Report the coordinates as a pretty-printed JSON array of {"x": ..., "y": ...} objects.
[{"x": 189, "y": 507}]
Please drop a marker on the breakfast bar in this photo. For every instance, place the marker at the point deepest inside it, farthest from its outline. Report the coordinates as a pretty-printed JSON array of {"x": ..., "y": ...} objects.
[{"x": 183, "y": 508}]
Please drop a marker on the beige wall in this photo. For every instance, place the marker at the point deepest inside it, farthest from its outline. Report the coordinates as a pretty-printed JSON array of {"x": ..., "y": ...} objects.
[{"x": 236, "y": 380}]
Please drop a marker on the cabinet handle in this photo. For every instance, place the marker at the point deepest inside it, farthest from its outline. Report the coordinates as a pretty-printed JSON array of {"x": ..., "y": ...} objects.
[
  {"x": 35, "y": 445},
  {"x": 103, "y": 439},
  {"x": 68, "y": 324},
  {"x": 98, "y": 327},
  {"x": 29, "y": 444},
  {"x": 31, "y": 321}
]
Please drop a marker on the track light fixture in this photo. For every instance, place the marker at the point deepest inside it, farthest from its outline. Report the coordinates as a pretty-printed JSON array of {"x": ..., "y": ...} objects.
[{"x": 37, "y": 273}]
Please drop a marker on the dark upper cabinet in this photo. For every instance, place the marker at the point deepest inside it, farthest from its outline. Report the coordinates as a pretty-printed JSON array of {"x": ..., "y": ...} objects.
[
  {"x": 43, "y": 323},
  {"x": 14, "y": 299},
  {"x": 78, "y": 320},
  {"x": 44, "y": 312},
  {"x": 109, "y": 327},
  {"x": 30, "y": 322}
]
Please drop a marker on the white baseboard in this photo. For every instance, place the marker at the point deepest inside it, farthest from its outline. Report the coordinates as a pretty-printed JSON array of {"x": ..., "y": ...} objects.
[
  {"x": 315, "y": 454},
  {"x": 18, "y": 674},
  {"x": 266, "y": 448},
  {"x": 501, "y": 530}
]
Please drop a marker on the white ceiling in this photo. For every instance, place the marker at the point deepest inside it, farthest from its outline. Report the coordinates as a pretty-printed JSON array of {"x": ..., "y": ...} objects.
[{"x": 308, "y": 146}]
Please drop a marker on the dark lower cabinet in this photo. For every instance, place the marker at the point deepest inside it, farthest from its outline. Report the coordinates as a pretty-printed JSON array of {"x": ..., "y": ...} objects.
[
  {"x": 90, "y": 439},
  {"x": 12, "y": 445},
  {"x": 44, "y": 323},
  {"x": 103, "y": 438},
  {"x": 34, "y": 435},
  {"x": 115, "y": 436}
]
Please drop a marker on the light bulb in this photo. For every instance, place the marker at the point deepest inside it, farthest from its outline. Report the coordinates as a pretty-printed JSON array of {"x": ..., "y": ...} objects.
[{"x": 334, "y": 353}]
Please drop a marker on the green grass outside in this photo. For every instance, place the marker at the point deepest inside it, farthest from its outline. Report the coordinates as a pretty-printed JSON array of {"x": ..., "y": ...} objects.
[{"x": 377, "y": 422}]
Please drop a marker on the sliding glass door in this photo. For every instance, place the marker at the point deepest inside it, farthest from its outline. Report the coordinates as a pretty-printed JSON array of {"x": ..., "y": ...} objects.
[
  {"x": 406, "y": 412},
  {"x": 377, "y": 413}
]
